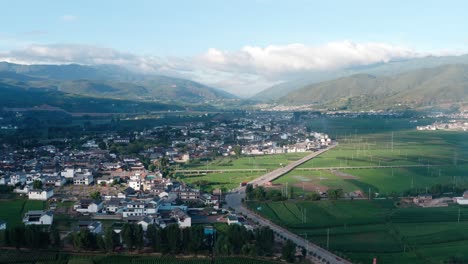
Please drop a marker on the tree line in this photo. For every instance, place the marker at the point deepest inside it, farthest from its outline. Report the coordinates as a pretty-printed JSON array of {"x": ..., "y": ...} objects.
[{"x": 234, "y": 240}]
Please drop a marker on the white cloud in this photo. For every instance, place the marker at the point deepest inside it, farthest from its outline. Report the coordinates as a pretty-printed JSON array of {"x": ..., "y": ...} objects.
[
  {"x": 69, "y": 18},
  {"x": 274, "y": 61},
  {"x": 245, "y": 71}
]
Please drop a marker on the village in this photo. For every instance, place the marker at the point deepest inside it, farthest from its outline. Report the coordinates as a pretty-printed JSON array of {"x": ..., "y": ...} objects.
[{"x": 123, "y": 178}]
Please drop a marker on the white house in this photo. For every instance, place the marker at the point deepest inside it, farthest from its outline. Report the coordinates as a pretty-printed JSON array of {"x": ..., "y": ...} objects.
[
  {"x": 462, "y": 200},
  {"x": 4, "y": 180},
  {"x": 83, "y": 179},
  {"x": 232, "y": 219},
  {"x": 55, "y": 181},
  {"x": 42, "y": 195},
  {"x": 139, "y": 209},
  {"x": 88, "y": 206},
  {"x": 38, "y": 218},
  {"x": 107, "y": 179},
  {"x": 68, "y": 173},
  {"x": 94, "y": 227},
  {"x": 183, "y": 219},
  {"x": 112, "y": 206},
  {"x": 135, "y": 184},
  {"x": 145, "y": 222},
  {"x": 17, "y": 178}
]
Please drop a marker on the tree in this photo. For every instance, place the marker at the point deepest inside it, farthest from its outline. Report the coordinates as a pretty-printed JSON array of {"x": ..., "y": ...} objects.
[
  {"x": 335, "y": 194},
  {"x": 313, "y": 196},
  {"x": 17, "y": 236},
  {"x": 101, "y": 244},
  {"x": 139, "y": 237},
  {"x": 110, "y": 239},
  {"x": 237, "y": 236},
  {"x": 128, "y": 235},
  {"x": 264, "y": 240},
  {"x": 37, "y": 184},
  {"x": 289, "y": 251},
  {"x": 84, "y": 239},
  {"x": 55, "y": 237},
  {"x": 153, "y": 234},
  {"x": 238, "y": 150},
  {"x": 196, "y": 239},
  {"x": 291, "y": 193},
  {"x": 32, "y": 236},
  {"x": 95, "y": 195},
  {"x": 249, "y": 191},
  {"x": 173, "y": 238},
  {"x": 102, "y": 145}
]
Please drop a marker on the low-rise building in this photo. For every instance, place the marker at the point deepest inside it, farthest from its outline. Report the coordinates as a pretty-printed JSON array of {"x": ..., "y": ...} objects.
[
  {"x": 88, "y": 206},
  {"x": 94, "y": 227},
  {"x": 38, "y": 217},
  {"x": 42, "y": 195}
]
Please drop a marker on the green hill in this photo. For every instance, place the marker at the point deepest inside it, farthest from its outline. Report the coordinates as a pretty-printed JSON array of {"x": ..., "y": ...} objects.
[
  {"x": 26, "y": 97},
  {"x": 379, "y": 69},
  {"x": 443, "y": 86},
  {"x": 114, "y": 82}
]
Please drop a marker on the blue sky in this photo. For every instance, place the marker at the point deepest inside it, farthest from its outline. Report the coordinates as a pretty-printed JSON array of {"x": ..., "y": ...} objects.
[{"x": 186, "y": 30}]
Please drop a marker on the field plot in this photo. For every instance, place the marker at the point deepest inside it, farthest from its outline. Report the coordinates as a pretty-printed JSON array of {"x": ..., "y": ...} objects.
[
  {"x": 231, "y": 179},
  {"x": 12, "y": 211},
  {"x": 269, "y": 162},
  {"x": 421, "y": 159},
  {"x": 363, "y": 229},
  {"x": 224, "y": 181}
]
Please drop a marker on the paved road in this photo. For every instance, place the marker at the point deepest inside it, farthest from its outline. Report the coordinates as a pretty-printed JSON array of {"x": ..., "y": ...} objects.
[{"x": 234, "y": 200}]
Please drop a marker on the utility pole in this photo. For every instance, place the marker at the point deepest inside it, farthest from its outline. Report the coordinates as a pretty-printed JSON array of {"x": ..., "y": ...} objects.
[
  {"x": 328, "y": 238},
  {"x": 459, "y": 215},
  {"x": 369, "y": 193},
  {"x": 392, "y": 141}
]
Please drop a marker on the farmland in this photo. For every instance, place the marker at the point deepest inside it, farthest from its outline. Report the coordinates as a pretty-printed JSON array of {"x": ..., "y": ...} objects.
[
  {"x": 229, "y": 180},
  {"x": 363, "y": 229},
  {"x": 248, "y": 162},
  {"x": 33, "y": 257},
  {"x": 436, "y": 157},
  {"x": 13, "y": 211}
]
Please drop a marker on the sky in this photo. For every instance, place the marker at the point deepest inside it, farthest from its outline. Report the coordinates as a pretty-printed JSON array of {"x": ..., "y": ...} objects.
[{"x": 240, "y": 46}]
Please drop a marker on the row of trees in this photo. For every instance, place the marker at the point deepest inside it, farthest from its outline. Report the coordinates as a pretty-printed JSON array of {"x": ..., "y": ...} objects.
[
  {"x": 260, "y": 194},
  {"x": 238, "y": 240},
  {"x": 30, "y": 236},
  {"x": 234, "y": 240}
]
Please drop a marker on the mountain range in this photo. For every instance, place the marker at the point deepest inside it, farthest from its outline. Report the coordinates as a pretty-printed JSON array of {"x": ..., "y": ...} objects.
[
  {"x": 443, "y": 86},
  {"x": 380, "y": 69},
  {"x": 108, "y": 81}
]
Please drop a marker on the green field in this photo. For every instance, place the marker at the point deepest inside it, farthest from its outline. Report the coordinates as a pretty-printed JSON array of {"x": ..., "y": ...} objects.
[
  {"x": 269, "y": 162},
  {"x": 12, "y": 211},
  {"x": 445, "y": 152},
  {"x": 229, "y": 180},
  {"x": 363, "y": 229},
  {"x": 224, "y": 181},
  {"x": 43, "y": 257}
]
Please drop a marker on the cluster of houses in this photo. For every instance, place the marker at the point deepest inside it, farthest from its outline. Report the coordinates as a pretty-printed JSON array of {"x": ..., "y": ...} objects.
[
  {"x": 314, "y": 142},
  {"x": 455, "y": 125}
]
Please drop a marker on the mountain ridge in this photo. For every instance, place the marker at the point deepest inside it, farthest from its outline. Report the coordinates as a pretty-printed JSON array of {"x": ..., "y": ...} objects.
[{"x": 442, "y": 85}]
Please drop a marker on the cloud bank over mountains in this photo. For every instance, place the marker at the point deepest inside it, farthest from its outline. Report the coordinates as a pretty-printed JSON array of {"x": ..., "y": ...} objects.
[{"x": 243, "y": 72}]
